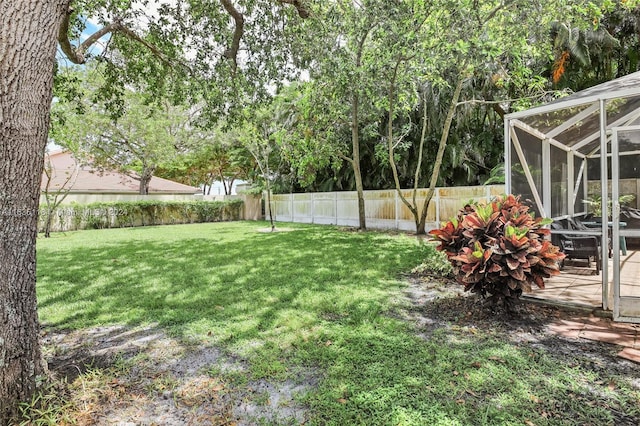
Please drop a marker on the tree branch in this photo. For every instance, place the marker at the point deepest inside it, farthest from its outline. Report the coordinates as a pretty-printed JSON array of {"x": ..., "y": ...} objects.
[
  {"x": 391, "y": 146},
  {"x": 77, "y": 54},
  {"x": 442, "y": 145},
  {"x": 361, "y": 43},
  {"x": 303, "y": 12},
  {"x": 232, "y": 51},
  {"x": 538, "y": 96},
  {"x": 153, "y": 48},
  {"x": 345, "y": 158},
  {"x": 496, "y": 10}
]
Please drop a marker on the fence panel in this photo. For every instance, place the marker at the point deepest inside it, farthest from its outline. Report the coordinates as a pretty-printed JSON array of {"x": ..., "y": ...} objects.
[
  {"x": 384, "y": 209},
  {"x": 325, "y": 209},
  {"x": 346, "y": 208},
  {"x": 302, "y": 207}
]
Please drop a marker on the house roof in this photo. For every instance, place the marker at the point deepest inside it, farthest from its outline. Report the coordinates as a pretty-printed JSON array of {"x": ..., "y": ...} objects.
[{"x": 92, "y": 180}]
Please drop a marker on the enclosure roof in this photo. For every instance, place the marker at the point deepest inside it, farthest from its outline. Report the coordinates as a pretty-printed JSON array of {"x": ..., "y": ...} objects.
[
  {"x": 622, "y": 87},
  {"x": 574, "y": 121}
]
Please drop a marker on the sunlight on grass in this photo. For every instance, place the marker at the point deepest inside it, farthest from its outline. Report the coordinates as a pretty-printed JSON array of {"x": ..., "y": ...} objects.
[
  {"x": 315, "y": 298},
  {"x": 178, "y": 275}
]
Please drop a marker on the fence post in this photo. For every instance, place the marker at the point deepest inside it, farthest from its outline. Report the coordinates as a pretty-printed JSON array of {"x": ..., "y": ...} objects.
[
  {"x": 313, "y": 208},
  {"x": 335, "y": 206}
]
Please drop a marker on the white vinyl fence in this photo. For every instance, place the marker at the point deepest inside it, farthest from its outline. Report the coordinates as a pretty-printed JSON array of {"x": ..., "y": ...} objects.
[{"x": 384, "y": 209}]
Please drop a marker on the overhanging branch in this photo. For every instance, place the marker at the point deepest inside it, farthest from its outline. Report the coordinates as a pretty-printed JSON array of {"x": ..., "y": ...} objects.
[
  {"x": 77, "y": 55},
  {"x": 238, "y": 19},
  {"x": 153, "y": 48},
  {"x": 538, "y": 96},
  {"x": 232, "y": 51}
]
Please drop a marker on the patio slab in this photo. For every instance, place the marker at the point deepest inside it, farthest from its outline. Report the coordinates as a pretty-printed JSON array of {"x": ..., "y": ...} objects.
[
  {"x": 630, "y": 354},
  {"x": 577, "y": 285},
  {"x": 602, "y": 330}
]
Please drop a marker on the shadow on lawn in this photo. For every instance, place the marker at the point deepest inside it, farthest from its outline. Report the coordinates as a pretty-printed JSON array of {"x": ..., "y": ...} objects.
[
  {"x": 249, "y": 285},
  {"x": 476, "y": 367},
  {"x": 318, "y": 299},
  {"x": 72, "y": 353},
  {"x": 256, "y": 296}
]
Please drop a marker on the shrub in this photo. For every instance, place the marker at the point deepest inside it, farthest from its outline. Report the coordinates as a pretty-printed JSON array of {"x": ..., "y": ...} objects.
[
  {"x": 499, "y": 249},
  {"x": 143, "y": 213},
  {"x": 434, "y": 263}
]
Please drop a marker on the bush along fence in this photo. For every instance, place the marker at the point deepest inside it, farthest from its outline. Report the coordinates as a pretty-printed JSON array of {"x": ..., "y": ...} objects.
[{"x": 139, "y": 213}]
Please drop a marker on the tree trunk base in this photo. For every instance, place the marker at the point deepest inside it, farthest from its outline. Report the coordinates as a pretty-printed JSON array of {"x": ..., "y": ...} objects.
[{"x": 499, "y": 302}]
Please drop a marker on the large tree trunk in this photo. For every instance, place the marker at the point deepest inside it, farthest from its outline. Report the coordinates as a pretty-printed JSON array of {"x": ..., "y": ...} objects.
[{"x": 28, "y": 30}]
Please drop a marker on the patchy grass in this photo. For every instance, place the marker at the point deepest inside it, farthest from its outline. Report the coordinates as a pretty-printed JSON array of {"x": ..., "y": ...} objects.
[{"x": 313, "y": 299}]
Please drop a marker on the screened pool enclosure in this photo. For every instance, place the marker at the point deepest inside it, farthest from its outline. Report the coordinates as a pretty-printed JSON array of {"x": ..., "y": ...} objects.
[{"x": 577, "y": 161}]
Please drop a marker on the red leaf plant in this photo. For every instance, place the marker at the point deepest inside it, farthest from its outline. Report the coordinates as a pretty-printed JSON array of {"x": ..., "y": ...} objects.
[{"x": 498, "y": 249}]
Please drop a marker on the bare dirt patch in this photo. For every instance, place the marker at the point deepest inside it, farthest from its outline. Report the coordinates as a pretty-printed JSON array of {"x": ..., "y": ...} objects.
[
  {"x": 437, "y": 302},
  {"x": 276, "y": 229},
  {"x": 118, "y": 375}
]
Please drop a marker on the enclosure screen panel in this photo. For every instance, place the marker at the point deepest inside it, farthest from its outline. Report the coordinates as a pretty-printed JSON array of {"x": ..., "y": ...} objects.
[
  {"x": 629, "y": 181},
  {"x": 532, "y": 151},
  {"x": 579, "y": 206},
  {"x": 627, "y": 302},
  {"x": 559, "y": 186}
]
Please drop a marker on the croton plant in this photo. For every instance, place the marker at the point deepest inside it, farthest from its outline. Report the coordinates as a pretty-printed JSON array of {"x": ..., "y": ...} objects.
[{"x": 498, "y": 249}]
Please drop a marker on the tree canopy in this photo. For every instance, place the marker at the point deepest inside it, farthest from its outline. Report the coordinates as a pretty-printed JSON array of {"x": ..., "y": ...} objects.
[{"x": 142, "y": 137}]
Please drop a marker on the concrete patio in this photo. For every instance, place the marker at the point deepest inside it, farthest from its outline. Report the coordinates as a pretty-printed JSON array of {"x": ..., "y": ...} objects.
[
  {"x": 592, "y": 327},
  {"x": 577, "y": 286}
]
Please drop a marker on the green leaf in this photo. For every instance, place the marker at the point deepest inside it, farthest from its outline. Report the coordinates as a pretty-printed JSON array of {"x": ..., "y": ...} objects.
[
  {"x": 546, "y": 221},
  {"x": 509, "y": 231},
  {"x": 479, "y": 251}
]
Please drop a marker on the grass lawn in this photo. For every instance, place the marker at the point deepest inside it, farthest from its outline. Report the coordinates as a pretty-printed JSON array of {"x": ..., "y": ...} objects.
[{"x": 321, "y": 300}]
